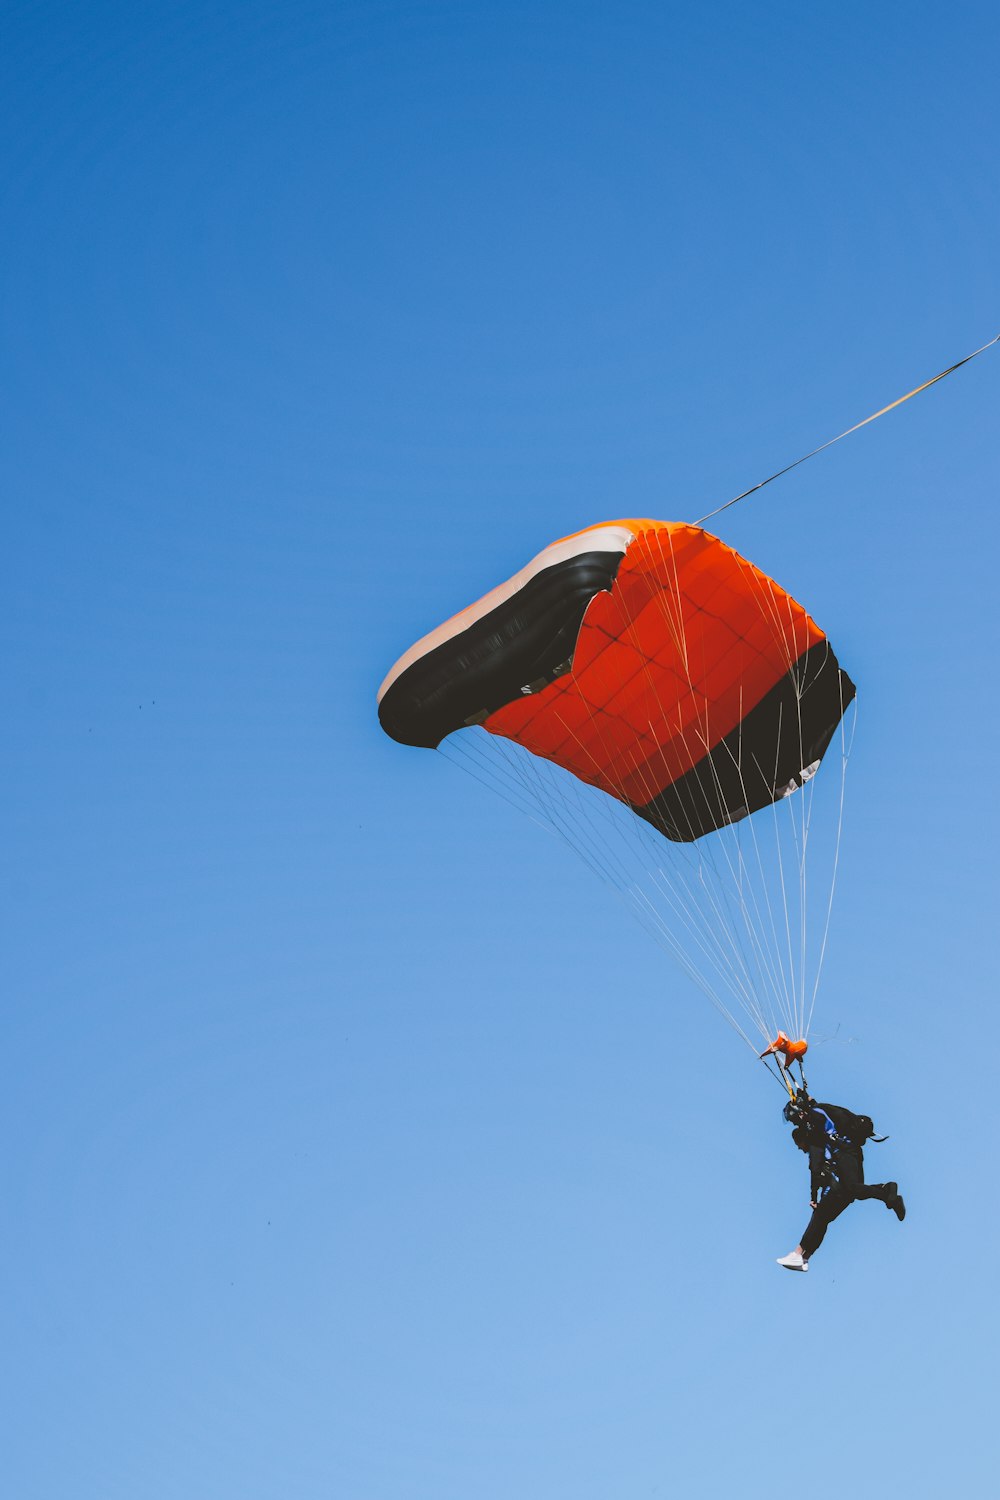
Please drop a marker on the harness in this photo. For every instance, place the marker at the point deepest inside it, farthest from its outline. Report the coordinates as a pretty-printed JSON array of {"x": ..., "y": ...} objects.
[{"x": 832, "y": 1142}]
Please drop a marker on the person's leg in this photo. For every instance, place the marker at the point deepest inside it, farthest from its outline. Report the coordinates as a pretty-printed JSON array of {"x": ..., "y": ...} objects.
[
  {"x": 887, "y": 1193},
  {"x": 830, "y": 1207}
]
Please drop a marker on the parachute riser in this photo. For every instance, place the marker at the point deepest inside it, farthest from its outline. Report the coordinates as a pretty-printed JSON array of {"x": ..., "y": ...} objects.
[{"x": 780, "y": 1075}]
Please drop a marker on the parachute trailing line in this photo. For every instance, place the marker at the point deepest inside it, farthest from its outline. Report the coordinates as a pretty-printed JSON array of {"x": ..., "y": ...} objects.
[
  {"x": 847, "y": 432},
  {"x": 647, "y": 658}
]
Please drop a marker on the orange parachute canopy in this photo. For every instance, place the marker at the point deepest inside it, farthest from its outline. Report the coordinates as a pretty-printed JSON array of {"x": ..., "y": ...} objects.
[{"x": 647, "y": 658}]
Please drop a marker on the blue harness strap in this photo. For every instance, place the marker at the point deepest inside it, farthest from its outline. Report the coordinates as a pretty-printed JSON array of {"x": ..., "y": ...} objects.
[{"x": 829, "y": 1129}]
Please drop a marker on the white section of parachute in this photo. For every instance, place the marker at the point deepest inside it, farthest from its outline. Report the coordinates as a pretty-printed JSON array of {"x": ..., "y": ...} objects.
[{"x": 597, "y": 539}]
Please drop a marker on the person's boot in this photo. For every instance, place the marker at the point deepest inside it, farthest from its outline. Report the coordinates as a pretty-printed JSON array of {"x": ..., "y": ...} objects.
[{"x": 894, "y": 1201}]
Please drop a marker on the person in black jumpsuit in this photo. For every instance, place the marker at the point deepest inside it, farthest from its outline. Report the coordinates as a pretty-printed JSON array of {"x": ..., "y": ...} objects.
[{"x": 836, "y": 1178}]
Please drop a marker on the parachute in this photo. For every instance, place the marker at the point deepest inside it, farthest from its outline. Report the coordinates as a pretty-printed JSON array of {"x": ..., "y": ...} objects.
[{"x": 685, "y": 694}]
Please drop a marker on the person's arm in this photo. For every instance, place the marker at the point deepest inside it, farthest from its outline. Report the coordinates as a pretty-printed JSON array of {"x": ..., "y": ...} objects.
[
  {"x": 817, "y": 1172},
  {"x": 822, "y": 1135}
]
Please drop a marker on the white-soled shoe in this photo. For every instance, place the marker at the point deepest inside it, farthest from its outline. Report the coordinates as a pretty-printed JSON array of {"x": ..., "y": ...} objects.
[{"x": 793, "y": 1262}]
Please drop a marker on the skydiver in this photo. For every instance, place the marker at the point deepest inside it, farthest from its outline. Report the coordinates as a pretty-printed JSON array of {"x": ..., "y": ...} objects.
[{"x": 832, "y": 1137}]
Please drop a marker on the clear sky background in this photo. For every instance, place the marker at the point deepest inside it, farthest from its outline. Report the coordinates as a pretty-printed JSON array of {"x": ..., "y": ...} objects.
[{"x": 356, "y": 1144}]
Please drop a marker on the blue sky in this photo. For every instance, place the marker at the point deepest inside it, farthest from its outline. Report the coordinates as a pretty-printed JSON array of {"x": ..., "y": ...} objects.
[{"x": 356, "y": 1144}]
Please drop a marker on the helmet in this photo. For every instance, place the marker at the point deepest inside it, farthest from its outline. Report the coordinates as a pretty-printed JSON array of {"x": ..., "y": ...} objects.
[{"x": 796, "y": 1111}]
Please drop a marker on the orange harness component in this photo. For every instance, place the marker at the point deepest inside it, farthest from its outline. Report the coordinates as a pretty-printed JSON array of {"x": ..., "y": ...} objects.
[{"x": 790, "y": 1051}]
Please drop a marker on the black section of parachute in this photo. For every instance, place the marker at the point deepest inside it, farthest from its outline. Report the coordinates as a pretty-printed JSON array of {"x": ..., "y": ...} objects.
[
  {"x": 528, "y": 639},
  {"x": 765, "y": 754}
]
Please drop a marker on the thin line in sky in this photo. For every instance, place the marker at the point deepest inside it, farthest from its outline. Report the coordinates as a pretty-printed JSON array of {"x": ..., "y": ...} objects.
[{"x": 864, "y": 423}]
